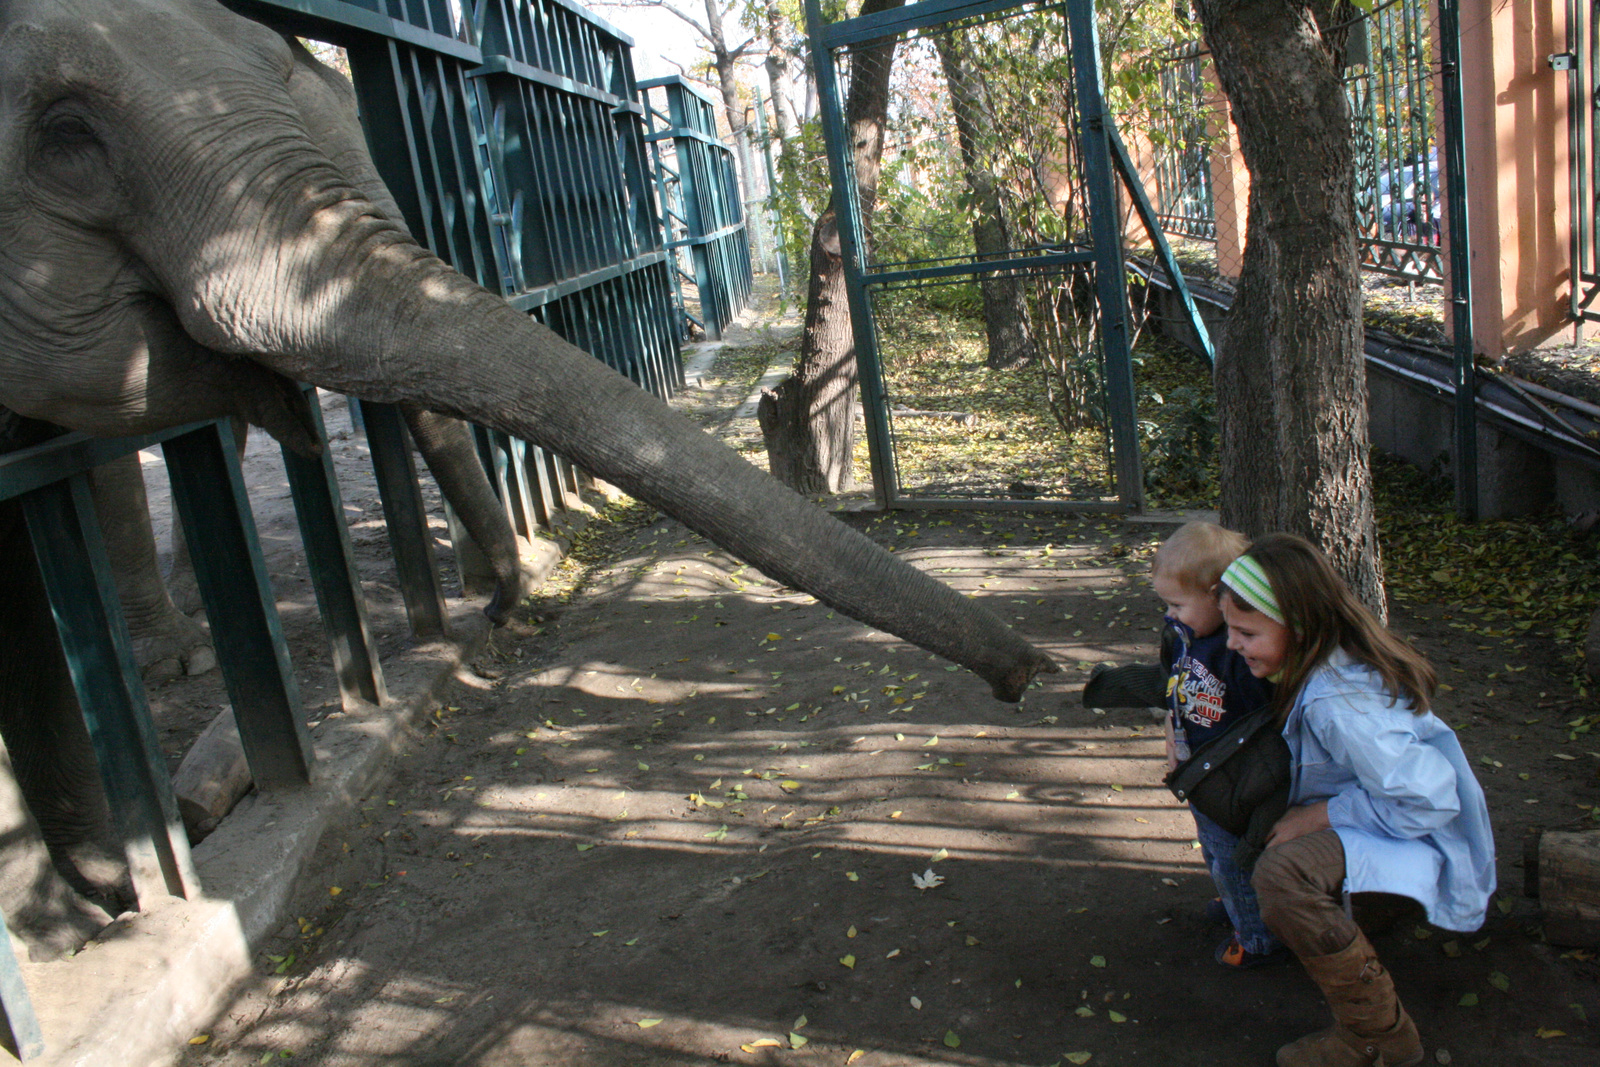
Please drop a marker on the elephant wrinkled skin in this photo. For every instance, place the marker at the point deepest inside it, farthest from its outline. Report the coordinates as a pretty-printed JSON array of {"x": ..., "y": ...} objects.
[{"x": 189, "y": 224}]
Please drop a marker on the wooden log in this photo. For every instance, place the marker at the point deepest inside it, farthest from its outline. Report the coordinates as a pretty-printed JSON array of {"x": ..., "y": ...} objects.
[
  {"x": 213, "y": 777},
  {"x": 1569, "y": 887}
]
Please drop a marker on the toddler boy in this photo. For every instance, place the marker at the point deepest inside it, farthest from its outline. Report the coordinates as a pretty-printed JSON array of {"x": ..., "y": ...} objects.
[{"x": 1208, "y": 687}]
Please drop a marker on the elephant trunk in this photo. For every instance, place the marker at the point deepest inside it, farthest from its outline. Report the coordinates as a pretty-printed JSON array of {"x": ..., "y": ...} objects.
[{"x": 372, "y": 314}]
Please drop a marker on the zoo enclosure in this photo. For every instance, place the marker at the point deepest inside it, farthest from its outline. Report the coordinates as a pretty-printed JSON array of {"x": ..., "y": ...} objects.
[{"x": 511, "y": 134}]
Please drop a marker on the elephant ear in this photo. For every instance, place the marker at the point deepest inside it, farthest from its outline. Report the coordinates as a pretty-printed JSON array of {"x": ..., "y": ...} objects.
[{"x": 327, "y": 104}]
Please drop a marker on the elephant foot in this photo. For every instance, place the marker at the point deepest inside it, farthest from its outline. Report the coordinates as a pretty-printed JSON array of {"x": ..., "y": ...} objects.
[
  {"x": 171, "y": 646},
  {"x": 47, "y": 911},
  {"x": 57, "y": 924},
  {"x": 99, "y": 876},
  {"x": 184, "y": 590}
]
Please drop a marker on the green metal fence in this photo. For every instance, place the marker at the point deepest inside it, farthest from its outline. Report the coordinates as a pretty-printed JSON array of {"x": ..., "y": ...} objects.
[
  {"x": 1389, "y": 79},
  {"x": 1581, "y": 61},
  {"x": 700, "y": 205},
  {"x": 511, "y": 133},
  {"x": 1184, "y": 203}
]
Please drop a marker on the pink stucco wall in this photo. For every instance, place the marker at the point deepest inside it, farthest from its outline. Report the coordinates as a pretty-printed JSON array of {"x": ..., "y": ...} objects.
[{"x": 1515, "y": 111}]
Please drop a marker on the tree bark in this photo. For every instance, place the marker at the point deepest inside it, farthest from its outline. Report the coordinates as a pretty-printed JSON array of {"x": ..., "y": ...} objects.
[
  {"x": 726, "y": 61},
  {"x": 808, "y": 421},
  {"x": 1005, "y": 300},
  {"x": 777, "y": 67},
  {"x": 1291, "y": 386}
]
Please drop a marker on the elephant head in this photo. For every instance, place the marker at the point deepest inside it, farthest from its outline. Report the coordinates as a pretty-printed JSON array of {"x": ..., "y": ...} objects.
[{"x": 189, "y": 222}]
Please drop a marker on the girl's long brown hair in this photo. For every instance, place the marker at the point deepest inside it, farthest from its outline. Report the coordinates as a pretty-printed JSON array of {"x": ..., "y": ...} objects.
[{"x": 1322, "y": 614}]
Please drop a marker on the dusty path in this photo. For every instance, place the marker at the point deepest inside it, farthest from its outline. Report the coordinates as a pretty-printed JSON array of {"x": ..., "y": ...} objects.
[{"x": 677, "y": 822}]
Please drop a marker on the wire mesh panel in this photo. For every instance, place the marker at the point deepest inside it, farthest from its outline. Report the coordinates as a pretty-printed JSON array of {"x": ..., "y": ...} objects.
[
  {"x": 700, "y": 204},
  {"x": 987, "y": 289}
]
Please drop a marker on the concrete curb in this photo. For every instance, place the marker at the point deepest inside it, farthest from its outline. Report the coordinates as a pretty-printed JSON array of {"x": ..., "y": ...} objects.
[{"x": 152, "y": 980}]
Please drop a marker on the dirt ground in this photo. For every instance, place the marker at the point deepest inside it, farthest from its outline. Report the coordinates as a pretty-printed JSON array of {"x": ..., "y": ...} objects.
[{"x": 677, "y": 821}]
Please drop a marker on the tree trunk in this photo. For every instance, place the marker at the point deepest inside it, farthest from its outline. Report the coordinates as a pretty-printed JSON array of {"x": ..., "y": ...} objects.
[
  {"x": 809, "y": 420},
  {"x": 726, "y": 63},
  {"x": 777, "y": 66},
  {"x": 1005, "y": 300},
  {"x": 1291, "y": 387}
]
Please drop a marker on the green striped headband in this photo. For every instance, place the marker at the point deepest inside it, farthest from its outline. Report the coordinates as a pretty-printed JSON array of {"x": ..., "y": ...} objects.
[{"x": 1246, "y": 580}]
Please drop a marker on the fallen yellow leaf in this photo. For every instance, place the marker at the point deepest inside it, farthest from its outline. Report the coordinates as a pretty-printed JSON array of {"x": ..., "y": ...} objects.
[
  {"x": 199, "y": 1039},
  {"x": 645, "y": 1024},
  {"x": 848, "y": 961},
  {"x": 1079, "y": 1058},
  {"x": 797, "y": 1040},
  {"x": 854, "y": 1056},
  {"x": 1547, "y": 1032},
  {"x": 765, "y": 1042}
]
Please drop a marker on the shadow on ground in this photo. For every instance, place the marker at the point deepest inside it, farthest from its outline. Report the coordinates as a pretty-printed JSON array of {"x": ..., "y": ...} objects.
[{"x": 677, "y": 822}]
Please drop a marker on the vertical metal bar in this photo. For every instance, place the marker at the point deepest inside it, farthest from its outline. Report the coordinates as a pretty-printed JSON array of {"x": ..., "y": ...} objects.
[
  {"x": 1147, "y": 215},
  {"x": 314, "y": 486},
  {"x": 1111, "y": 282},
  {"x": 406, "y": 517},
  {"x": 76, "y": 573},
  {"x": 1578, "y": 112},
  {"x": 19, "y": 1026},
  {"x": 869, "y": 368},
  {"x": 208, "y": 492},
  {"x": 1465, "y": 371}
]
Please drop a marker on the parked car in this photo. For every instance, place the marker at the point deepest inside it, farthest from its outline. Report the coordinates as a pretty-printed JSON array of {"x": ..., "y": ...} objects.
[{"x": 1413, "y": 212}]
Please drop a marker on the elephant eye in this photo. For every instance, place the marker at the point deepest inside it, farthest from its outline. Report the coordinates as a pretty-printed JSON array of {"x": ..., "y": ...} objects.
[{"x": 67, "y": 131}]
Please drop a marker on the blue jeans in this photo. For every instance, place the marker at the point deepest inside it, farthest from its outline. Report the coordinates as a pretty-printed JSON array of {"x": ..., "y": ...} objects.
[{"x": 1233, "y": 885}]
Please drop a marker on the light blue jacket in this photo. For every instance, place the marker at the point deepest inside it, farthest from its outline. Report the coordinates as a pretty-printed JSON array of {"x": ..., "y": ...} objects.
[{"x": 1400, "y": 792}]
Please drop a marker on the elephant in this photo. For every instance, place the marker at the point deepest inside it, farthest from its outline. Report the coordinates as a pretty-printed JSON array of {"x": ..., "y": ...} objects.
[{"x": 191, "y": 225}]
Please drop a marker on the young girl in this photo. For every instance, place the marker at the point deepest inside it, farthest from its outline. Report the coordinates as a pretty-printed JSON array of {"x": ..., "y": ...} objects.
[{"x": 1382, "y": 800}]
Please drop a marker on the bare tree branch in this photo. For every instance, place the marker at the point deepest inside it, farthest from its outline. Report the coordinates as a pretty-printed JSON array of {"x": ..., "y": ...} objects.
[{"x": 663, "y": 5}]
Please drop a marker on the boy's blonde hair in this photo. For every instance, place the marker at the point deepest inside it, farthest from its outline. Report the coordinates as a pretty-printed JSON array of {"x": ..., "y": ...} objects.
[{"x": 1197, "y": 553}]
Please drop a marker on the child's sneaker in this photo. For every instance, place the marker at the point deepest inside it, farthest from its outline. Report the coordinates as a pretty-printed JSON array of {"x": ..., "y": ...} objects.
[{"x": 1234, "y": 956}]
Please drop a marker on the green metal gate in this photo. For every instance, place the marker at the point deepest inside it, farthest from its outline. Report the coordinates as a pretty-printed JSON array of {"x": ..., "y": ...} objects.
[{"x": 1066, "y": 268}]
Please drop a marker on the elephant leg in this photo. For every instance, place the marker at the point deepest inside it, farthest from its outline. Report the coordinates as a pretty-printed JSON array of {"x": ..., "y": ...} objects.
[
  {"x": 161, "y": 633},
  {"x": 446, "y": 444},
  {"x": 62, "y": 874}
]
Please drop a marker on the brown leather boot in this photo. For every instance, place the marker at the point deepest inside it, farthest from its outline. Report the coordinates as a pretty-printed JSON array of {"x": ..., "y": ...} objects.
[{"x": 1371, "y": 1028}]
